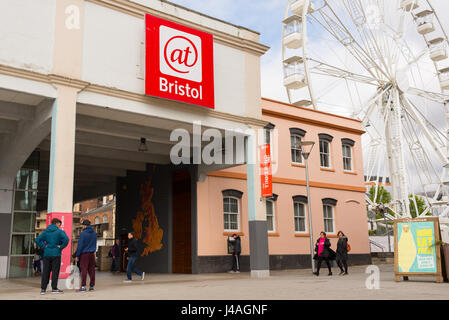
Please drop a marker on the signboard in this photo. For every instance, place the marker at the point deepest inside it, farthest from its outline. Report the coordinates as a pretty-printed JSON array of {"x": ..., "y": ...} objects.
[
  {"x": 66, "y": 256},
  {"x": 417, "y": 249},
  {"x": 266, "y": 173},
  {"x": 179, "y": 63}
]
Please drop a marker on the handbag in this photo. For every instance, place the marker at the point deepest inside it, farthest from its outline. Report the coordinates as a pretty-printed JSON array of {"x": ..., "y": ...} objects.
[{"x": 348, "y": 247}]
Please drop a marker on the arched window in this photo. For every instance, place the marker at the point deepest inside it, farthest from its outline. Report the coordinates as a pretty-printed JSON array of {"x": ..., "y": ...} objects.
[
  {"x": 231, "y": 209},
  {"x": 347, "y": 145},
  {"x": 105, "y": 218},
  {"x": 97, "y": 220},
  {"x": 329, "y": 214},
  {"x": 325, "y": 150},
  {"x": 270, "y": 206},
  {"x": 300, "y": 216},
  {"x": 296, "y": 136}
]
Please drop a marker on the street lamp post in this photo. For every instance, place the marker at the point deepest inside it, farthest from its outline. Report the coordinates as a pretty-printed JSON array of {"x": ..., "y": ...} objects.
[{"x": 306, "y": 153}]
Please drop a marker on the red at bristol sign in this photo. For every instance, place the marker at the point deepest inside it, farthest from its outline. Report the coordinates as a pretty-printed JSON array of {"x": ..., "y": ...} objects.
[{"x": 179, "y": 63}]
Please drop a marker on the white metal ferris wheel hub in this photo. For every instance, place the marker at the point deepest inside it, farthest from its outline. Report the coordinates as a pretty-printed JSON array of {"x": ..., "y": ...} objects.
[{"x": 385, "y": 62}]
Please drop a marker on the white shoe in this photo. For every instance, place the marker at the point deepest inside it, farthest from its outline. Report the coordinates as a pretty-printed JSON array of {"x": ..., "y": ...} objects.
[
  {"x": 143, "y": 276},
  {"x": 127, "y": 281}
]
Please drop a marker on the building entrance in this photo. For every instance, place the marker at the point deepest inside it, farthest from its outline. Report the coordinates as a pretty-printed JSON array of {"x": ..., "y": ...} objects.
[{"x": 182, "y": 244}]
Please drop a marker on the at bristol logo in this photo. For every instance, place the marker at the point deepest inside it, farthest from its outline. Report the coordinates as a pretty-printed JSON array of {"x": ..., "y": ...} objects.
[
  {"x": 180, "y": 54},
  {"x": 180, "y": 59}
]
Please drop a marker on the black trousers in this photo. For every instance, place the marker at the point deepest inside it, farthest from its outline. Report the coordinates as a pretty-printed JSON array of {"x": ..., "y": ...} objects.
[
  {"x": 320, "y": 259},
  {"x": 51, "y": 264},
  {"x": 236, "y": 261},
  {"x": 342, "y": 263}
]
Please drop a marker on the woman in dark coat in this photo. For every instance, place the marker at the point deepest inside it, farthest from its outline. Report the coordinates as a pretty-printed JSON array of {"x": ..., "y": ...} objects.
[
  {"x": 323, "y": 252},
  {"x": 342, "y": 253}
]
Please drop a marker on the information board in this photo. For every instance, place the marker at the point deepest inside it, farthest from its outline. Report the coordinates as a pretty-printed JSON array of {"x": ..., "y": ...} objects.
[{"x": 417, "y": 248}]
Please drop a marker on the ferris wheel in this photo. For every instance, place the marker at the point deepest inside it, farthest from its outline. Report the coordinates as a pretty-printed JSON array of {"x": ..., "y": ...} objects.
[{"x": 386, "y": 63}]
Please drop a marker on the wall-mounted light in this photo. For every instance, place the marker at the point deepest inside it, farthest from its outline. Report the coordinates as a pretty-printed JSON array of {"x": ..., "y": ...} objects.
[{"x": 143, "y": 145}]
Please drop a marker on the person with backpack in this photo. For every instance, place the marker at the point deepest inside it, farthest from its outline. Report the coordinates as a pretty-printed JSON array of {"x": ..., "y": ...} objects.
[
  {"x": 85, "y": 252},
  {"x": 114, "y": 253},
  {"x": 342, "y": 253},
  {"x": 53, "y": 240}
]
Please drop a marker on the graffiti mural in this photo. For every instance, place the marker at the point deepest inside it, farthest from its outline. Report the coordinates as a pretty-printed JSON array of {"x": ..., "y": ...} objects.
[{"x": 146, "y": 225}]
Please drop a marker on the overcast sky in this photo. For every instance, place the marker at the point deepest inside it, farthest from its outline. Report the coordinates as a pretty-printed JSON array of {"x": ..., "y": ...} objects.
[{"x": 265, "y": 17}]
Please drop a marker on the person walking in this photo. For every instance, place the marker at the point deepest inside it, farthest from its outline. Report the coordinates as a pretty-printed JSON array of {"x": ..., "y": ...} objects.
[
  {"x": 323, "y": 252},
  {"x": 85, "y": 253},
  {"x": 236, "y": 254},
  {"x": 132, "y": 257},
  {"x": 115, "y": 253},
  {"x": 342, "y": 253},
  {"x": 53, "y": 240}
]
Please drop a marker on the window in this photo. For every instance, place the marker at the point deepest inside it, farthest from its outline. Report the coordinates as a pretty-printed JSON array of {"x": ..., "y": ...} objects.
[
  {"x": 328, "y": 213},
  {"x": 325, "y": 154},
  {"x": 296, "y": 150},
  {"x": 300, "y": 216},
  {"x": 38, "y": 224},
  {"x": 105, "y": 218},
  {"x": 325, "y": 150},
  {"x": 231, "y": 214},
  {"x": 97, "y": 220},
  {"x": 347, "y": 157},
  {"x": 270, "y": 216},
  {"x": 347, "y": 145}
]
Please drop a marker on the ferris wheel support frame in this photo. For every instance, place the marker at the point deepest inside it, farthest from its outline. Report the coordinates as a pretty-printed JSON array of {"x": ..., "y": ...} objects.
[{"x": 367, "y": 50}]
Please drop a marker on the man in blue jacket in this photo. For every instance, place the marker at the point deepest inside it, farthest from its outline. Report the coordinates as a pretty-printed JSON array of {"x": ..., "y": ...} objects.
[
  {"x": 52, "y": 240},
  {"x": 87, "y": 246}
]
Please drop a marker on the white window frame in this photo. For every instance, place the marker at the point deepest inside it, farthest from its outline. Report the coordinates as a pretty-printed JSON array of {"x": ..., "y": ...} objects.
[
  {"x": 329, "y": 154},
  {"x": 97, "y": 220},
  {"x": 344, "y": 157},
  {"x": 296, "y": 148},
  {"x": 105, "y": 216},
  {"x": 306, "y": 230},
  {"x": 273, "y": 215},
  {"x": 238, "y": 215},
  {"x": 333, "y": 218}
]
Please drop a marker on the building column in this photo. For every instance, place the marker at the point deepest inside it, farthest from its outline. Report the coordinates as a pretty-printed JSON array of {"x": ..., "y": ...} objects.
[
  {"x": 258, "y": 234},
  {"x": 6, "y": 206},
  {"x": 62, "y": 162}
]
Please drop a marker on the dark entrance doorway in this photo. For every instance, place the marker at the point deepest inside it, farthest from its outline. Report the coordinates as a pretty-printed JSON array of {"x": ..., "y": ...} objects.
[{"x": 182, "y": 246}]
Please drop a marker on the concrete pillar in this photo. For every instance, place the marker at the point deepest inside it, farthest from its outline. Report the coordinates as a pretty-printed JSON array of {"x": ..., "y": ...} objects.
[
  {"x": 67, "y": 62},
  {"x": 62, "y": 163},
  {"x": 6, "y": 206},
  {"x": 258, "y": 234}
]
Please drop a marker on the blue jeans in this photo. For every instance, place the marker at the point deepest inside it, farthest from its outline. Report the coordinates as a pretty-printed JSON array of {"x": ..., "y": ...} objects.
[{"x": 130, "y": 269}]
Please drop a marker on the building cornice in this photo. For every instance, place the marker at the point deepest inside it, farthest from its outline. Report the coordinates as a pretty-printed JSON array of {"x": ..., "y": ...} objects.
[
  {"x": 122, "y": 94},
  {"x": 139, "y": 11},
  {"x": 324, "y": 124},
  {"x": 280, "y": 180}
]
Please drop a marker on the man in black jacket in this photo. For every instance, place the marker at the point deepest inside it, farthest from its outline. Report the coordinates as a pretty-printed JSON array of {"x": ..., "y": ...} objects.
[
  {"x": 132, "y": 257},
  {"x": 236, "y": 254}
]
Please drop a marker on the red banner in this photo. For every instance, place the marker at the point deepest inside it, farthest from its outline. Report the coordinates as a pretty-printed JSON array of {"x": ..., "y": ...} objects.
[
  {"x": 66, "y": 226},
  {"x": 265, "y": 170}
]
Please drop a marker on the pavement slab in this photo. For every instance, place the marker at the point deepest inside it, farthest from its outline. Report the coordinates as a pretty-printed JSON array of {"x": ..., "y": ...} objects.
[{"x": 281, "y": 285}]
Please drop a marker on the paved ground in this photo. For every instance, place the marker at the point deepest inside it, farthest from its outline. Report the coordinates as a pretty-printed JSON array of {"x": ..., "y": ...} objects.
[{"x": 284, "y": 285}]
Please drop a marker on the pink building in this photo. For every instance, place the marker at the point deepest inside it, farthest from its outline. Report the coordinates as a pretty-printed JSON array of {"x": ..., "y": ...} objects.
[{"x": 337, "y": 193}]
